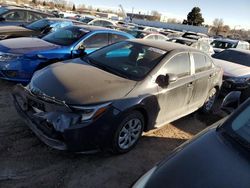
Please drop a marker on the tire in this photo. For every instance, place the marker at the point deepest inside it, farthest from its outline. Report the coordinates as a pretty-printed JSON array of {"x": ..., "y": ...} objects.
[
  {"x": 209, "y": 103},
  {"x": 128, "y": 132}
]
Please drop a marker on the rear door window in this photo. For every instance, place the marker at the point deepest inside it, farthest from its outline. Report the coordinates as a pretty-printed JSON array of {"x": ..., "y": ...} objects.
[
  {"x": 31, "y": 16},
  {"x": 201, "y": 62},
  {"x": 179, "y": 65},
  {"x": 97, "y": 40},
  {"x": 117, "y": 38},
  {"x": 15, "y": 16}
]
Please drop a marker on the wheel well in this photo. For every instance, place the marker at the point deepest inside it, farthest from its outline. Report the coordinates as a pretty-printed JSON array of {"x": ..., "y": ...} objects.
[
  {"x": 145, "y": 115},
  {"x": 218, "y": 89}
]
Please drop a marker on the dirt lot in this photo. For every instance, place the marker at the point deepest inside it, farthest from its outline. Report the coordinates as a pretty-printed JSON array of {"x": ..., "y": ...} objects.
[{"x": 27, "y": 162}]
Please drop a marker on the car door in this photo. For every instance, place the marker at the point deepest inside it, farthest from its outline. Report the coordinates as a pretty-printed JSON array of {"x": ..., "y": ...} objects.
[
  {"x": 203, "y": 79},
  {"x": 15, "y": 17},
  {"x": 173, "y": 99}
]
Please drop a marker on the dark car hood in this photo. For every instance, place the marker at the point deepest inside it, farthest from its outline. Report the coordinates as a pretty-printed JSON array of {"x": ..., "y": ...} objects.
[
  {"x": 25, "y": 45},
  {"x": 9, "y": 29},
  {"x": 206, "y": 162},
  {"x": 77, "y": 82}
]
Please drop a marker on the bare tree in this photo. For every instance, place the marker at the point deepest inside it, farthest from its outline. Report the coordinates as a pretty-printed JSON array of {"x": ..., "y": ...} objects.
[
  {"x": 217, "y": 26},
  {"x": 156, "y": 15}
]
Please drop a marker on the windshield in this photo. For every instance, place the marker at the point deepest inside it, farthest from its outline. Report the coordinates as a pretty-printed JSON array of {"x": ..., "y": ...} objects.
[
  {"x": 39, "y": 25},
  {"x": 234, "y": 56},
  {"x": 127, "y": 59},
  {"x": 66, "y": 36},
  {"x": 238, "y": 125},
  {"x": 223, "y": 44},
  {"x": 2, "y": 10}
]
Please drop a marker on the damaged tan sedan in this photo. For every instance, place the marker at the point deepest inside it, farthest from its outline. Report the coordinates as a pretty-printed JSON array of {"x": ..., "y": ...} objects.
[{"x": 105, "y": 100}]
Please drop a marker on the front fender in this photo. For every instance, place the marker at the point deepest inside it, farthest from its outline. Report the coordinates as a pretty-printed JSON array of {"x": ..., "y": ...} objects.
[{"x": 146, "y": 104}]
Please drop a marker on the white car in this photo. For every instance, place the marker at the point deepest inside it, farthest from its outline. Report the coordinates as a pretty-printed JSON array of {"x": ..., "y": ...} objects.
[
  {"x": 103, "y": 22},
  {"x": 156, "y": 36}
]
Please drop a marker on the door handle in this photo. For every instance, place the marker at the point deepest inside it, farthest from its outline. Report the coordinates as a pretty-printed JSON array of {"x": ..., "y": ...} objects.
[
  {"x": 211, "y": 75},
  {"x": 190, "y": 84}
]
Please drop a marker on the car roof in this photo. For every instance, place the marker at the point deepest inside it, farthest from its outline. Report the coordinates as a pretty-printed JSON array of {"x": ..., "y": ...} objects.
[
  {"x": 95, "y": 28},
  {"x": 11, "y": 7},
  {"x": 104, "y": 19},
  {"x": 164, "y": 45},
  {"x": 91, "y": 28},
  {"x": 64, "y": 19},
  {"x": 226, "y": 40}
]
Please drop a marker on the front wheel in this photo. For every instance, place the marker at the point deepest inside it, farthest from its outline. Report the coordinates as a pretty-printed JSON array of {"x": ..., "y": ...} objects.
[
  {"x": 128, "y": 132},
  {"x": 210, "y": 101}
]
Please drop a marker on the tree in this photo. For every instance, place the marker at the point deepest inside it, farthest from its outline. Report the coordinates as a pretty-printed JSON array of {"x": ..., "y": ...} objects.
[
  {"x": 195, "y": 17},
  {"x": 34, "y": 1},
  {"x": 74, "y": 8},
  {"x": 156, "y": 15},
  {"x": 217, "y": 25}
]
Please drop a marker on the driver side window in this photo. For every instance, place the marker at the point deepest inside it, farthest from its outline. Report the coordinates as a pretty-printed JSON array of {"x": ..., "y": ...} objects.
[{"x": 179, "y": 65}]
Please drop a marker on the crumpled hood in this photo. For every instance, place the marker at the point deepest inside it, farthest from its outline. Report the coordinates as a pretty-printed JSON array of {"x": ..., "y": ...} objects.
[
  {"x": 77, "y": 82},
  {"x": 7, "y": 29},
  {"x": 25, "y": 45},
  {"x": 232, "y": 69}
]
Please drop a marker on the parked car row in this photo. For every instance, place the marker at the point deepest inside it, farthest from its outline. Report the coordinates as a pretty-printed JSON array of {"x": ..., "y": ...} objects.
[
  {"x": 109, "y": 97},
  {"x": 193, "y": 76},
  {"x": 91, "y": 88}
]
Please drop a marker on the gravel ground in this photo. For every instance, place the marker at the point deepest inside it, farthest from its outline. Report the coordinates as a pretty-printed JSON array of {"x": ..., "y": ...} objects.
[{"x": 27, "y": 162}]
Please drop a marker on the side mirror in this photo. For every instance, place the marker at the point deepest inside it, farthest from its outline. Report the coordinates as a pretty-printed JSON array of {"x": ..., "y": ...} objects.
[
  {"x": 82, "y": 47},
  {"x": 231, "y": 101},
  {"x": 164, "y": 81}
]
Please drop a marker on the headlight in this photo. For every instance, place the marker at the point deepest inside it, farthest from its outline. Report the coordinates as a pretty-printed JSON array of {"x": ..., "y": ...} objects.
[
  {"x": 8, "y": 57},
  {"x": 144, "y": 179},
  {"x": 238, "y": 80},
  {"x": 91, "y": 112}
]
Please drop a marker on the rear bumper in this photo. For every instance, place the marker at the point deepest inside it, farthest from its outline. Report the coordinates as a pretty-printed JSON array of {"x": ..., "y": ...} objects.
[{"x": 87, "y": 137}]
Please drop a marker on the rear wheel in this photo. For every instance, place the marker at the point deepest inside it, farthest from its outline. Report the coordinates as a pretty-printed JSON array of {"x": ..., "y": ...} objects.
[
  {"x": 209, "y": 104},
  {"x": 128, "y": 132}
]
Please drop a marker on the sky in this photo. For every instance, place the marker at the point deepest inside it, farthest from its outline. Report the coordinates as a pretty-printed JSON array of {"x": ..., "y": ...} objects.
[{"x": 235, "y": 13}]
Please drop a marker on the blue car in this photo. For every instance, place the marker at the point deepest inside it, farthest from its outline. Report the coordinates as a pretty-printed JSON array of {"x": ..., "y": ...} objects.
[{"x": 21, "y": 57}]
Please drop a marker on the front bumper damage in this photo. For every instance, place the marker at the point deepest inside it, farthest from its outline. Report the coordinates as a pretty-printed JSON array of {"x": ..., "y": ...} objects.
[{"x": 55, "y": 123}]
